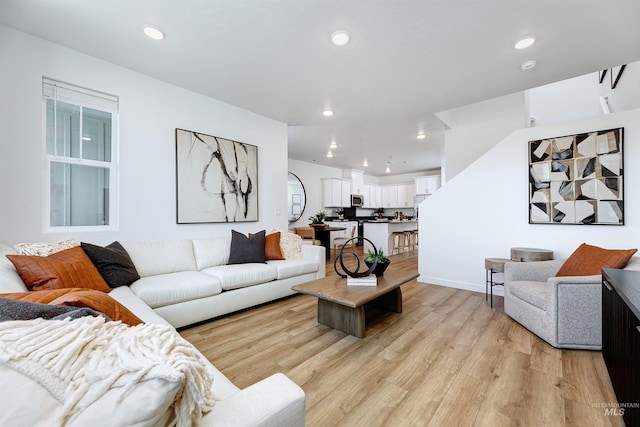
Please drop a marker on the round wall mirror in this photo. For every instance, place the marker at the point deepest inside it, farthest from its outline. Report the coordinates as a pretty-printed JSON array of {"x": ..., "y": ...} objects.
[{"x": 296, "y": 196}]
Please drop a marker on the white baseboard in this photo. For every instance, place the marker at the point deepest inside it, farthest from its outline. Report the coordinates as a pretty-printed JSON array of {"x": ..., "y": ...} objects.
[{"x": 474, "y": 287}]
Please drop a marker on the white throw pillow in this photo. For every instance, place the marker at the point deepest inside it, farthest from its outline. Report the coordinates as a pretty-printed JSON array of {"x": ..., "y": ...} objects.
[{"x": 45, "y": 249}]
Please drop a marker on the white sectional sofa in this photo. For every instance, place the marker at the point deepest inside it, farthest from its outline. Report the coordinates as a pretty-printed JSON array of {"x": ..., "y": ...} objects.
[
  {"x": 189, "y": 281},
  {"x": 184, "y": 282}
]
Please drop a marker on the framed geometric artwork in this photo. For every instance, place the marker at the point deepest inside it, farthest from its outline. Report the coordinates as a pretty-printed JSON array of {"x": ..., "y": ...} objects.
[
  {"x": 577, "y": 179},
  {"x": 216, "y": 179}
]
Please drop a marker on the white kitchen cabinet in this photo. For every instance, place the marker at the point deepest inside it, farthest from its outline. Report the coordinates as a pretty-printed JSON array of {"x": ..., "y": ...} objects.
[
  {"x": 397, "y": 196},
  {"x": 427, "y": 184},
  {"x": 376, "y": 190},
  {"x": 405, "y": 196},
  {"x": 336, "y": 193},
  {"x": 389, "y": 196},
  {"x": 365, "y": 191},
  {"x": 372, "y": 196}
]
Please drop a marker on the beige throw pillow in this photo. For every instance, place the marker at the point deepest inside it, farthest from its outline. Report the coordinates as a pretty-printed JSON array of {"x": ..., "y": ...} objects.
[{"x": 291, "y": 245}]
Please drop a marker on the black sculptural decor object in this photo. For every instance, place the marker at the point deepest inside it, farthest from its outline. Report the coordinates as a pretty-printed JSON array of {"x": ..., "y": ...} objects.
[{"x": 357, "y": 272}]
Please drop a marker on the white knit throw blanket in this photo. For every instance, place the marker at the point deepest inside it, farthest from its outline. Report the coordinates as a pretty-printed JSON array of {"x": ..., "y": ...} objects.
[{"x": 79, "y": 360}]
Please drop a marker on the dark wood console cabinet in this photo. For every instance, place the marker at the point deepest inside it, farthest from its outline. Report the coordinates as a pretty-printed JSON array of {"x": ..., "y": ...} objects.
[{"x": 621, "y": 339}]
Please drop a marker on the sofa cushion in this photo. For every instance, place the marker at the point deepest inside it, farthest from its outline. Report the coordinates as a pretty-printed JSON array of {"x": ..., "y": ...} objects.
[
  {"x": 70, "y": 268},
  {"x": 113, "y": 263},
  {"x": 115, "y": 407},
  {"x": 293, "y": 267},
  {"x": 211, "y": 252},
  {"x": 172, "y": 288},
  {"x": 129, "y": 376},
  {"x": 588, "y": 260},
  {"x": 535, "y": 293},
  {"x": 125, "y": 296},
  {"x": 153, "y": 258},
  {"x": 242, "y": 275},
  {"x": 246, "y": 249},
  {"x": 9, "y": 279}
]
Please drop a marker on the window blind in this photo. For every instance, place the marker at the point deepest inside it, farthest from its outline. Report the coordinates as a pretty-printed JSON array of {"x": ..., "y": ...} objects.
[{"x": 54, "y": 89}]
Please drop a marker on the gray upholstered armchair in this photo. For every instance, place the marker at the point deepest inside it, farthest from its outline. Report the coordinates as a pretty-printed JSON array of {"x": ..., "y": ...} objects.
[{"x": 564, "y": 311}]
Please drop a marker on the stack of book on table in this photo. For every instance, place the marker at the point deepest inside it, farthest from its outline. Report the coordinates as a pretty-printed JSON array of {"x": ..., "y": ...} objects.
[{"x": 370, "y": 280}]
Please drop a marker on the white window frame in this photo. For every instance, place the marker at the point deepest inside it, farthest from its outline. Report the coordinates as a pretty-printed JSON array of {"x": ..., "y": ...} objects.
[{"x": 82, "y": 97}]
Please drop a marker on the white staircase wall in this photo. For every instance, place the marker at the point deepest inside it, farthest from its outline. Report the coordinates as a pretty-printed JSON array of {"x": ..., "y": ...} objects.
[
  {"x": 483, "y": 211},
  {"x": 474, "y": 129}
]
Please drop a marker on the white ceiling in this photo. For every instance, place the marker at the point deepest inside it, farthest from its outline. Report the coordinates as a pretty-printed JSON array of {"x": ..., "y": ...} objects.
[{"x": 406, "y": 60}]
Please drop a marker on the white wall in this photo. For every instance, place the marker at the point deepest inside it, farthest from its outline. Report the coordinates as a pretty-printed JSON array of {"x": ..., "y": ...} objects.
[
  {"x": 474, "y": 129},
  {"x": 579, "y": 97},
  {"x": 311, "y": 175},
  {"x": 483, "y": 211},
  {"x": 150, "y": 110}
]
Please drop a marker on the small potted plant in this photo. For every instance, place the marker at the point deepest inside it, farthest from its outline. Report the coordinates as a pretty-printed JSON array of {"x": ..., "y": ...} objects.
[
  {"x": 383, "y": 262},
  {"x": 340, "y": 213},
  {"x": 317, "y": 220},
  {"x": 378, "y": 212}
]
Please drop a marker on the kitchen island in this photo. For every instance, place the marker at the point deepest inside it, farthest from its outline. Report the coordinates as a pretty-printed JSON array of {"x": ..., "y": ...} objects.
[{"x": 381, "y": 232}]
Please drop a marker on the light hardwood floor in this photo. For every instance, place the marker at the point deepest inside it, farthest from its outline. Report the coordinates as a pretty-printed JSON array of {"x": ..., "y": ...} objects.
[{"x": 448, "y": 360}]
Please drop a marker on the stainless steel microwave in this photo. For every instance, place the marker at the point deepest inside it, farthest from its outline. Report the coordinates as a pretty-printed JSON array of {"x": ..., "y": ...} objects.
[{"x": 357, "y": 200}]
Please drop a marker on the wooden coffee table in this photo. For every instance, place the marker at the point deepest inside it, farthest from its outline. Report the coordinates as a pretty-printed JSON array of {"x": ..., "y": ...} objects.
[{"x": 343, "y": 307}]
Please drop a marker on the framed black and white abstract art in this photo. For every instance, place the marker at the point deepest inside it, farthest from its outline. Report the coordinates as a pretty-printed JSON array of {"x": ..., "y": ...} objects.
[
  {"x": 217, "y": 179},
  {"x": 577, "y": 179}
]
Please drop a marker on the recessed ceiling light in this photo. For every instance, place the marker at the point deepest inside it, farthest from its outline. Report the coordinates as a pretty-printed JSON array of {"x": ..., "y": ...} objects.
[
  {"x": 528, "y": 65},
  {"x": 333, "y": 145},
  {"x": 388, "y": 169},
  {"x": 340, "y": 38},
  {"x": 153, "y": 32},
  {"x": 327, "y": 113},
  {"x": 365, "y": 163},
  {"x": 329, "y": 154},
  {"x": 421, "y": 136},
  {"x": 525, "y": 42}
]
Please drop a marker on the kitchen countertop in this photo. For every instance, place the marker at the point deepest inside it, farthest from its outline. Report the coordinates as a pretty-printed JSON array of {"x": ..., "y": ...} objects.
[{"x": 391, "y": 221}]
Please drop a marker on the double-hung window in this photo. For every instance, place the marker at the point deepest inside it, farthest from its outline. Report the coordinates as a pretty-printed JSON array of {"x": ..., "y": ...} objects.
[{"x": 81, "y": 138}]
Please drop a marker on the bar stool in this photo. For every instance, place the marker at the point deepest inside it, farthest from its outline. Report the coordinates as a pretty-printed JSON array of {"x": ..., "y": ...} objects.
[
  {"x": 399, "y": 242},
  {"x": 408, "y": 240},
  {"x": 414, "y": 239}
]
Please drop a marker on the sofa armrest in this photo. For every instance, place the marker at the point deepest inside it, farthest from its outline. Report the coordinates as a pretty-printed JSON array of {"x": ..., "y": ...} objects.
[
  {"x": 575, "y": 280},
  {"x": 275, "y": 401},
  {"x": 533, "y": 271},
  {"x": 316, "y": 254},
  {"x": 578, "y": 302}
]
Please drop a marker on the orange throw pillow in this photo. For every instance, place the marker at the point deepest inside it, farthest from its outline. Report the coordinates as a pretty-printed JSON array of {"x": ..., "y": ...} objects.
[
  {"x": 272, "y": 249},
  {"x": 79, "y": 297},
  {"x": 70, "y": 268},
  {"x": 272, "y": 246},
  {"x": 98, "y": 301},
  {"x": 588, "y": 260},
  {"x": 41, "y": 297}
]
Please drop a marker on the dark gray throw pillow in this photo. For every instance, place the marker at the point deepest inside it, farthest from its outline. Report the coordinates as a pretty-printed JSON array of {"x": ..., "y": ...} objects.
[
  {"x": 113, "y": 263},
  {"x": 247, "y": 249}
]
